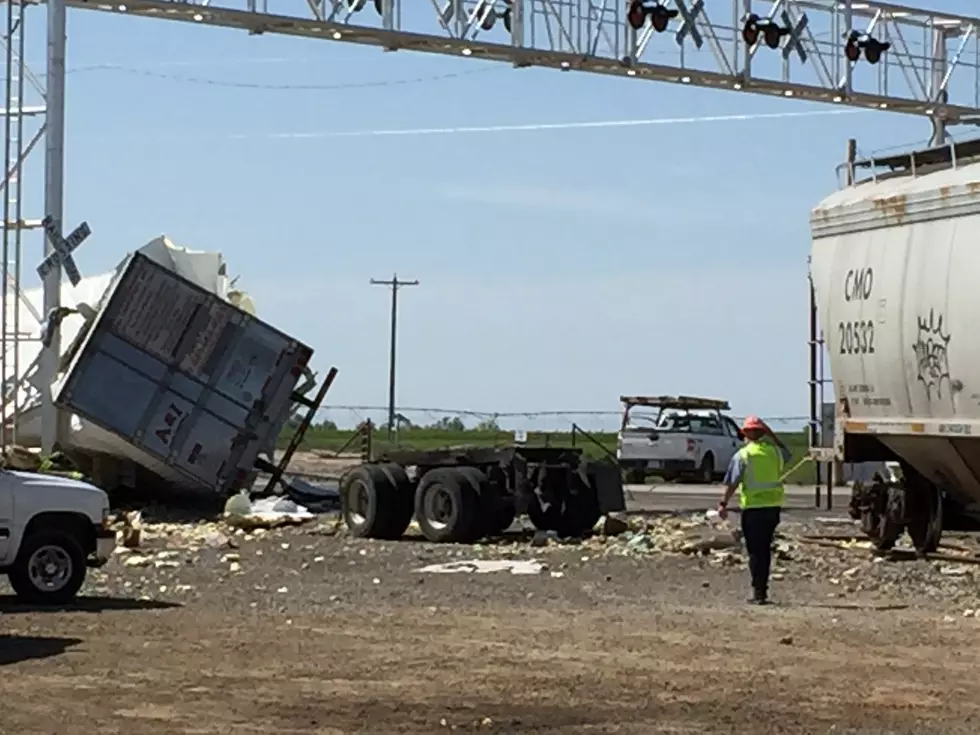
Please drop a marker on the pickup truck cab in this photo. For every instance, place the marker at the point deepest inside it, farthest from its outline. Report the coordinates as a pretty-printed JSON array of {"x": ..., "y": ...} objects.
[
  {"x": 52, "y": 528},
  {"x": 676, "y": 437}
]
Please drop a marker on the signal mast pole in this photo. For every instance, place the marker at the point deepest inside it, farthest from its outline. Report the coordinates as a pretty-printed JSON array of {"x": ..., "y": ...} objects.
[{"x": 394, "y": 284}]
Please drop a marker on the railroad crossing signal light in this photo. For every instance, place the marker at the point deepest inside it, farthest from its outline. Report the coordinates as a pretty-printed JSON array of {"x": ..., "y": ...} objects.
[
  {"x": 659, "y": 15},
  {"x": 873, "y": 48},
  {"x": 488, "y": 14},
  {"x": 772, "y": 33}
]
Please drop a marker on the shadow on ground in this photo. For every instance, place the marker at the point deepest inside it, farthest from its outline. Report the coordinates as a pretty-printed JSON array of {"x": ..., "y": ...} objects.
[
  {"x": 17, "y": 648},
  {"x": 10, "y": 605}
]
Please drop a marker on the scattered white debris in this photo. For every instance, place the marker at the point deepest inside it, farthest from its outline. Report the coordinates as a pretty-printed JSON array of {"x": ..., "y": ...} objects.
[
  {"x": 486, "y": 566},
  {"x": 264, "y": 513}
]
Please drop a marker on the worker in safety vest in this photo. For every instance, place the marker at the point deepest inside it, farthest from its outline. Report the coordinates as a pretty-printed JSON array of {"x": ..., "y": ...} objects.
[{"x": 756, "y": 473}]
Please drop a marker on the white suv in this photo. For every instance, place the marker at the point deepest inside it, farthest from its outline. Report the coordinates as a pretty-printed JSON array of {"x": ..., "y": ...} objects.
[{"x": 51, "y": 529}]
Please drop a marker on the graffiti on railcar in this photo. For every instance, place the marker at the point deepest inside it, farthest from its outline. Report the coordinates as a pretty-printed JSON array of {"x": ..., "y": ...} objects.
[{"x": 932, "y": 353}]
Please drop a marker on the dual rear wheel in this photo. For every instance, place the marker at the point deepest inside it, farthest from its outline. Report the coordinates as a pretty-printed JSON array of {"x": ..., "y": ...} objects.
[
  {"x": 451, "y": 504},
  {"x": 461, "y": 505}
]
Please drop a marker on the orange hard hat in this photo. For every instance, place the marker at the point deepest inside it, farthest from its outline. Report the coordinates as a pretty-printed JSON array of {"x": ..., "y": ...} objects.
[{"x": 753, "y": 423}]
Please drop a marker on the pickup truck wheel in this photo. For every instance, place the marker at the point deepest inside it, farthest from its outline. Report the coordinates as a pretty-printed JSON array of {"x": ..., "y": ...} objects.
[
  {"x": 446, "y": 505},
  {"x": 636, "y": 477},
  {"x": 49, "y": 569},
  {"x": 706, "y": 473}
]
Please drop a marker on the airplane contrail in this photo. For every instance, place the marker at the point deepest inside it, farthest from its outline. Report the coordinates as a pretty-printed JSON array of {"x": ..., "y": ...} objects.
[{"x": 536, "y": 127}]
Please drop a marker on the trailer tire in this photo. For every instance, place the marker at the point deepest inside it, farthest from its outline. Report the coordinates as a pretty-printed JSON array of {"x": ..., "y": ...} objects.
[
  {"x": 495, "y": 511},
  {"x": 446, "y": 505},
  {"x": 371, "y": 504},
  {"x": 404, "y": 497},
  {"x": 574, "y": 510},
  {"x": 581, "y": 511},
  {"x": 485, "y": 502}
]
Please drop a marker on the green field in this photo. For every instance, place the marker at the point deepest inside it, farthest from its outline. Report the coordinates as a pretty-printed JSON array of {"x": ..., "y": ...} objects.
[{"x": 593, "y": 444}]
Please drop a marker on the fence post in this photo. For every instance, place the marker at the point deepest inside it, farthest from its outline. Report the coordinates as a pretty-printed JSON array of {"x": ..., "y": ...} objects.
[{"x": 366, "y": 430}]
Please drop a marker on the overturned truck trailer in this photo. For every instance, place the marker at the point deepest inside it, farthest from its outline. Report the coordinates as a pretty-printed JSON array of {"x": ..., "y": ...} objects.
[
  {"x": 170, "y": 381},
  {"x": 894, "y": 267}
]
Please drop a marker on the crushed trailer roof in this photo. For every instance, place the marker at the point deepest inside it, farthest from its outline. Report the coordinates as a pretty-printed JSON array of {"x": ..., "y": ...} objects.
[{"x": 679, "y": 402}]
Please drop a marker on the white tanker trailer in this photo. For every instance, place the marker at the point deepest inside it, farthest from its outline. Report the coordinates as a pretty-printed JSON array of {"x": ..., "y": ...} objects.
[{"x": 895, "y": 266}]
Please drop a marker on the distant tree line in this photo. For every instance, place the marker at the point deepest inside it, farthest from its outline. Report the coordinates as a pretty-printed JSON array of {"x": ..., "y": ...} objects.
[{"x": 449, "y": 424}]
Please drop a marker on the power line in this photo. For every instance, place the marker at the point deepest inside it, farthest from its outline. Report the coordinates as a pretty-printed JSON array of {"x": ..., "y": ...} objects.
[
  {"x": 280, "y": 87},
  {"x": 509, "y": 414}
]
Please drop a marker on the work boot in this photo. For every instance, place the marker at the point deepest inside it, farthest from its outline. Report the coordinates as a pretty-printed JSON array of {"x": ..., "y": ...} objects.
[{"x": 759, "y": 598}]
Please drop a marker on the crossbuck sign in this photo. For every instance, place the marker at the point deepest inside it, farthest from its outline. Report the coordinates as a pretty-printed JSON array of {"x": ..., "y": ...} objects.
[{"x": 63, "y": 248}]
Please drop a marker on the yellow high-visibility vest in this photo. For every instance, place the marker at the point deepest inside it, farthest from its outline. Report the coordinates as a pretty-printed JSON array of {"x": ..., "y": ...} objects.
[{"x": 761, "y": 485}]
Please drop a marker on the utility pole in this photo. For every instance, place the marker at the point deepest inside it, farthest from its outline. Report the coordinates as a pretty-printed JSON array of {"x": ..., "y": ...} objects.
[{"x": 394, "y": 284}]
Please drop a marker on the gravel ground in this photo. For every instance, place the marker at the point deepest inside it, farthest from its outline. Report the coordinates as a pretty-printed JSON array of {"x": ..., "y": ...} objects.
[{"x": 205, "y": 629}]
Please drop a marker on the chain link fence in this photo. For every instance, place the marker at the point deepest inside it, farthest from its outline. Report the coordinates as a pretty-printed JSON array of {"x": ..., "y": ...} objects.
[
  {"x": 349, "y": 431},
  {"x": 455, "y": 419}
]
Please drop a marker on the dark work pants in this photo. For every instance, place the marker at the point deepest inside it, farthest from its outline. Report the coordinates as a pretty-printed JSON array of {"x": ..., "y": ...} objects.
[{"x": 758, "y": 530}]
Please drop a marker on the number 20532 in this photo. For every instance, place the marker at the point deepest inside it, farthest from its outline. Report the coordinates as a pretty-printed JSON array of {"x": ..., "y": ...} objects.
[{"x": 857, "y": 338}]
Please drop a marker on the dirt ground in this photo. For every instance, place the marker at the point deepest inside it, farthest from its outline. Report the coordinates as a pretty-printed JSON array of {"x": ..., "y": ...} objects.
[{"x": 305, "y": 630}]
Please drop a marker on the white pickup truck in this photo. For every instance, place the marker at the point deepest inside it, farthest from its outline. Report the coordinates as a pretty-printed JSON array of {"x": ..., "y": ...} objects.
[
  {"x": 676, "y": 437},
  {"x": 52, "y": 529}
]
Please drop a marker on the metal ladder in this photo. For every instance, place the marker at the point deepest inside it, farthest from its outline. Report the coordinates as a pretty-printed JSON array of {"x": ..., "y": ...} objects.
[
  {"x": 817, "y": 385},
  {"x": 312, "y": 405}
]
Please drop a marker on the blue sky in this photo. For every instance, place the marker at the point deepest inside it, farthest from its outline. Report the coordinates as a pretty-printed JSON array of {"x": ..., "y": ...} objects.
[{"x": 559, "y": 269}]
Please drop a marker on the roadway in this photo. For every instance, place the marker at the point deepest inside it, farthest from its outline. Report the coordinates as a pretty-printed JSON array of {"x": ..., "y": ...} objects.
[{"x": 699, "y": 498}]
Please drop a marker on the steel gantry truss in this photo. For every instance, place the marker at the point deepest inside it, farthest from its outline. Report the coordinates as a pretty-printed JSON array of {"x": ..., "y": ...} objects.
[
  {"x": 704, "y": 43},
  {"x": 872, "y": 55}
]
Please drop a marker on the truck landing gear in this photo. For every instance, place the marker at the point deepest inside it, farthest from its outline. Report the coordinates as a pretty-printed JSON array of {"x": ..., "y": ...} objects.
[{"x": 886, "y": 509}]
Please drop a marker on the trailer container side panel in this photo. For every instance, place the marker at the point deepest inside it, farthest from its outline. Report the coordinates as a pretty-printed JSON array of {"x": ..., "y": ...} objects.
[
  {"x": 183, "y": 376},
  {"x": 155, "y": 308},
  {"x": 200, "y": 355}
]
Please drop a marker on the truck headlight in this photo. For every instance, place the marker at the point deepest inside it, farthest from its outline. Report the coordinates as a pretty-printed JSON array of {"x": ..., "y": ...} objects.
[{"x": 106, "y": 518}]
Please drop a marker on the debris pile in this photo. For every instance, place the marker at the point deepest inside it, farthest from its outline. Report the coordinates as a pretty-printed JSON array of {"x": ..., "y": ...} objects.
[
  {"x": 273, "y": 512},
  {"x": 693, "y": 534}
]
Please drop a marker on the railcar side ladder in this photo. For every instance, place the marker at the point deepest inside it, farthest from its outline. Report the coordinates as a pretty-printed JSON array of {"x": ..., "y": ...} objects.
[{"x": 817, "y": 385}]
